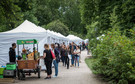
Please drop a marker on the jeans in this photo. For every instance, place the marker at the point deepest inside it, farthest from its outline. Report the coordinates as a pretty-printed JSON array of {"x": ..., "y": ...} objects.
[
  {"x": 63, "y": 59},
  {"x": 77, "y": 59},
  {"x": 56, "y": 67},
  {"x": 72, "y": 59}
]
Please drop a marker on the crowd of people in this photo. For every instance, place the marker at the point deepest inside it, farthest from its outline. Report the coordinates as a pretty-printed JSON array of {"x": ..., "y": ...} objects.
[
  {"x": 55, "y": 53},
  {"x": 63, "y": 53}
]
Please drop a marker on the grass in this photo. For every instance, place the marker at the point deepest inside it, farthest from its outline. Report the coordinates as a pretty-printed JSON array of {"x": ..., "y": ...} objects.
[{"x": 89, "y": 62}]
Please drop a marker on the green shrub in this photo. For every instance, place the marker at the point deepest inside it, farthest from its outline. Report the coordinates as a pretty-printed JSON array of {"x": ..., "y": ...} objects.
[{"x": 115, "y": 58}]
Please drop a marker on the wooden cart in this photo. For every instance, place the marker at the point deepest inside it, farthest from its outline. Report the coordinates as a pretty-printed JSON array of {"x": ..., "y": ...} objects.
[{"x": 27, "y": 66}]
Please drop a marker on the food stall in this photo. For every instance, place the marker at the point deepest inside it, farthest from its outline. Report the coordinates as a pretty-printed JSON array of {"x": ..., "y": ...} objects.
[{"x": 29, "y": 62}]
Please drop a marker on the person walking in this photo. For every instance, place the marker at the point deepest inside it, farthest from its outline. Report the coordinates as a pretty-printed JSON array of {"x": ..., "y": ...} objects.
[
  {"x": 63, "y": 55},
  {"x": 77, "y": 53},
  {"x": 12, "y": 53},
  {"x": 72, "y": 48},
  {"x": 83, "y": 44},
  {"x": 66, "y": 57},
  {"x": 80, "y": 45},
  {"x": 48, "y": 60},
  {"x": 56, "y": 60}
]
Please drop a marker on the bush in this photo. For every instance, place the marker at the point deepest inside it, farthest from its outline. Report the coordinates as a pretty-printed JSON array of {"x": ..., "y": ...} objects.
[{"x": 115, "y": 58}]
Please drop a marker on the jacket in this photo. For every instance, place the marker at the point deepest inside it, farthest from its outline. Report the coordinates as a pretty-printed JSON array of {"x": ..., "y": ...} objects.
[
  {"x": 12, "y": 55},
  {"x": 72, "y": 48},
  {"x": 57, "y": 55}
]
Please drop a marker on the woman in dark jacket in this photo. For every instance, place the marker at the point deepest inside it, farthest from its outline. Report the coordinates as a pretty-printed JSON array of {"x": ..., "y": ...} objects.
[
  {"x": 63, "y": 55},
  {"x": 66, "y": 56},
  {"x": 48, "y": 60},
  {"x": 56, "y": 60}
]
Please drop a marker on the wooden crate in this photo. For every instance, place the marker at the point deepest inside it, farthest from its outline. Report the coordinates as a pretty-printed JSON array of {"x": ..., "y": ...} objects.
[{"x": 27, "y": 64}]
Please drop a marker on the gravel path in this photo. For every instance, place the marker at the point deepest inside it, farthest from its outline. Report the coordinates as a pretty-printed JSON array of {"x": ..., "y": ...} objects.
[{"x": 73, "y": 75}]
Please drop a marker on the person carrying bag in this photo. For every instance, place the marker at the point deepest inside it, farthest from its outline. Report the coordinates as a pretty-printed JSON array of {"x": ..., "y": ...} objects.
[
  {"x": 55, "y": 55},
  {"x": 48, "y": 57}
]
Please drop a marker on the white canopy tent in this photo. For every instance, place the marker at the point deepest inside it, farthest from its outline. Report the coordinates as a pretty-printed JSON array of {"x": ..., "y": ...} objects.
[
  {"x": 74, "y": 39},
  {"x": 86, "y": 41},
  {"x": 28, "y": 30},
  {"x": 27, "y": 27}
]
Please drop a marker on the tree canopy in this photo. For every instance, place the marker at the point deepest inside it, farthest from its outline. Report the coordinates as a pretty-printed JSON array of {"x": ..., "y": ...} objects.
[
  {"x": 102, "y": 15},
  {"x": 42, "y": 13},
  {"x": 58, "y": 26}
]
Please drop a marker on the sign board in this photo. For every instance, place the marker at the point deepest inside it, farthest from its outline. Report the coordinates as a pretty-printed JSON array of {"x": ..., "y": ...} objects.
[{"x": 29, "y": 41}]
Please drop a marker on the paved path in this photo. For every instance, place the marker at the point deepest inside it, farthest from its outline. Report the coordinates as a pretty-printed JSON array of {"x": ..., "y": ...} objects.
[{"x": 74, "y": 75}]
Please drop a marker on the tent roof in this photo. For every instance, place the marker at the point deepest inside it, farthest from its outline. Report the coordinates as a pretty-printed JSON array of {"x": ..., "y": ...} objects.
[
  {"x": 72, "y": 37},
  {"x": 27, "y": 27}
]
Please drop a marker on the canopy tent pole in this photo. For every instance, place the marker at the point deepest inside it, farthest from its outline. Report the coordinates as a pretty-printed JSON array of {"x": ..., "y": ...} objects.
[
  {"x": 37, "y": 47},
  {"x": 18, "y": 49},
  {"x": 23, "y": 46},
  {"x": 34, "y": 51}
]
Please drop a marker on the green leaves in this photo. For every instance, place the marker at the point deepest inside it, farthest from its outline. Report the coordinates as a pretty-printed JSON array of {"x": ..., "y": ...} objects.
[
  {"x": 115, "y": 57},
  {"x": 9, "y": 15},
  {"x": 58, "y": 26},
  {"x": 41, "y": 12},
  {"x": 114, "y": 53}
]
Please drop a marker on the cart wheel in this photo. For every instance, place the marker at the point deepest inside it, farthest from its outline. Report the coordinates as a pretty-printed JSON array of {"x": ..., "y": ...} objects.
[
  {"x": 38, "y": 72},
  {"x": 21, "y": 75}
]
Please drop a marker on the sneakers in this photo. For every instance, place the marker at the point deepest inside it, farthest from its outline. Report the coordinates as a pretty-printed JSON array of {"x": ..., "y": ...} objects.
[
  {"x": 54, "y": 76},
  {"x": 72, "y": 65}
]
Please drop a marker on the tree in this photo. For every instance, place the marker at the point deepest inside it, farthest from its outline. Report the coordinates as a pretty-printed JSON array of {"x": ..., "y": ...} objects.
[
  {"x": 29, "y": 9},
  {"x": 104, "y": 9},
  {"x": 10, "y": 15},
  {"x": 58, "y": 26},
  {"x": 41, "y": 12},
  {"x": 66, "y": 11},
  {"x": 71, "y": 16},
  {"x": 47, "y": 11}
]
